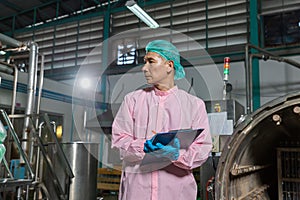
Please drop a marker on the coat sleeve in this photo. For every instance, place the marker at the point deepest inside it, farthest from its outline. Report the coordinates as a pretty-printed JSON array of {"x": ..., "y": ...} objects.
[
  {"x": 131, "y": 148},
  {"x": 199, "y": 150}
]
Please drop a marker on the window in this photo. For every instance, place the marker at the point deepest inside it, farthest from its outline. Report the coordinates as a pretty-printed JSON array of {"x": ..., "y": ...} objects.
[
  {"x": 126, "y": 54},
  {"x": 282, "y": 28}
]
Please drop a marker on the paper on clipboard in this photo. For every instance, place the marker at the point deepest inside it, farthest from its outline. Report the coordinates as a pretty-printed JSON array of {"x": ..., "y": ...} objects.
[{"x": 187, "y": 137}]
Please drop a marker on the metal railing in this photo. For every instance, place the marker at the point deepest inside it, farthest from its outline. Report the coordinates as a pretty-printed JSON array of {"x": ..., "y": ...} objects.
[{"x": 31, "y": 180}]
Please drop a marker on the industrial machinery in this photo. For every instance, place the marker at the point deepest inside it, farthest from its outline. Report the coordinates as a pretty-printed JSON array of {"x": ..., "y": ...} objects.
[
  {"x": 37, "y": 165},
  {"x": 222, "y": 115},
  {"x": 22, "y": 166},
  {"x": 261, "y": 159}
]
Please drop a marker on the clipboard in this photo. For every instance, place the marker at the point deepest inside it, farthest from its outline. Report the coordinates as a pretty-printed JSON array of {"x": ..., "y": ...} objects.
[
  {"x": 164, "y": 138},
  {"x": 185, "y": 136}
]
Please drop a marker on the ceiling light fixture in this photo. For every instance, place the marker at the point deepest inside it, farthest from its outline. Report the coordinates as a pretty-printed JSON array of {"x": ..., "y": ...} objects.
[{"x": 140, "y": 13}]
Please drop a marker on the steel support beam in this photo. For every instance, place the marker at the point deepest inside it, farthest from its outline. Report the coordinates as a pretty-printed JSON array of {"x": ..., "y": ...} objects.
[{"x": 255, "y": 63}]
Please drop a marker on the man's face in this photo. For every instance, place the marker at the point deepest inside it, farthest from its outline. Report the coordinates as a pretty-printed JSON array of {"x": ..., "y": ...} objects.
[{"x": 156, "y": 68}]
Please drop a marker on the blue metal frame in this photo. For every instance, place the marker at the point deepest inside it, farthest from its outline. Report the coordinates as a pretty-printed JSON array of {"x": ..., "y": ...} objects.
[{"x": 255, "y": 62}]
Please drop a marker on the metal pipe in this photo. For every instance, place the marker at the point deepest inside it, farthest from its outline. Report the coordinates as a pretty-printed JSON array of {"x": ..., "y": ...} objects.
[
  {"x": 248, "y": 72},
  {"x": 248, "y": 97},
  {"x": 279, "y": 59},
  {"x": 286, "y": 60},
  {"x": 248, "y": 69},
  {"x": 31, "y": 90},
  {"x": 38, "y": 152},
  {"x": 34, "y": 108},
  {"x": 260, "y": 49},
  {"x": 19, "y": 192},
  {"x": 10, "y": 41},
  {"x": 292, "y": 62},
  {"x": 6, "y": 68},
  {"x": 38, "y": 170},
  {"x": 13, "y": 101},
  {"x": 250, "y": 81},
  {"x": 41, "y": 82}
]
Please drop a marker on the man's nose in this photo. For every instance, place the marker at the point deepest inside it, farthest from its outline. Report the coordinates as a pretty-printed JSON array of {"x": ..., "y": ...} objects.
[{"x": 144, "y": 68}]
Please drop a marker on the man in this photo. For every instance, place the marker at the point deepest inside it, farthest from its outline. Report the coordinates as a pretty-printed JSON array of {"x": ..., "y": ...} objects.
[{"x": 160, "y": 108}]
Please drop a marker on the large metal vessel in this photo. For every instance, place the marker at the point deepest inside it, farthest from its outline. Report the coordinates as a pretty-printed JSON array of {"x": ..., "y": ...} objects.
[
  {"x": 262, "y": 158},
  {"x": 84, "y": 164}
]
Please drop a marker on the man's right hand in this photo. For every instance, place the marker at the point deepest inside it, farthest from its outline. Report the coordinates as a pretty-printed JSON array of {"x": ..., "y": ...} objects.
[{"x": 149, "y": 147}]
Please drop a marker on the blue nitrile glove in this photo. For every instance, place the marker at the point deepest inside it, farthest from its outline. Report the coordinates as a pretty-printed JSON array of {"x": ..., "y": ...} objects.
[
  {"x": 149, "y": 147},
  {"x": 170, "y": 151}
]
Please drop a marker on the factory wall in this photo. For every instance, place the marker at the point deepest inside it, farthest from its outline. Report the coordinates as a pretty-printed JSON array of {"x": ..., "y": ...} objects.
[{"x": 276, "y": 79}]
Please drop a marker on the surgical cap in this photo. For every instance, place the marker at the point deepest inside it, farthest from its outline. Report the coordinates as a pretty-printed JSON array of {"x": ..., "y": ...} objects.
[{"x": 169, "y": 52}]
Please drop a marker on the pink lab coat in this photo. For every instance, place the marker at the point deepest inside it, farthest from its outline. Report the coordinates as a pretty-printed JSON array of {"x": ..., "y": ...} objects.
[{"x": 143, "y": 111}]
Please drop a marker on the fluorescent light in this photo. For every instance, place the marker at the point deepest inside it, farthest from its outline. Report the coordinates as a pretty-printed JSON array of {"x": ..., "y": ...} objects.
[{"x": 140, "y": 13}]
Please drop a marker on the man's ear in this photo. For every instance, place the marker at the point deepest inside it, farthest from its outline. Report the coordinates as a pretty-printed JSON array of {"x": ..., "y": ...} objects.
[{"x": 170, "y": 66}]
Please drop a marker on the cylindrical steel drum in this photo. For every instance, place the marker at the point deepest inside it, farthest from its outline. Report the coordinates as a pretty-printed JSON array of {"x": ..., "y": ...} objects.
[{"x": 82, "y": 158}]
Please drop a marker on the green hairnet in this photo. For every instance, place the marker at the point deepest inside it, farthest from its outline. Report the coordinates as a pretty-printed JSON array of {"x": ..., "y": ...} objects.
[{"x": 169, "y": 52}]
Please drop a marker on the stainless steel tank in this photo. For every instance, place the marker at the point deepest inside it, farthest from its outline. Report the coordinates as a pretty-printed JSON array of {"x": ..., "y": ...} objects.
[
  {"x": 262, "y": 158},
  {"x": 84, "y": 164}
]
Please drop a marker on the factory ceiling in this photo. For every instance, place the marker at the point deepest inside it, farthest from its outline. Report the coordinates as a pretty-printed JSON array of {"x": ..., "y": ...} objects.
[{"x": 16, "y": 15}]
